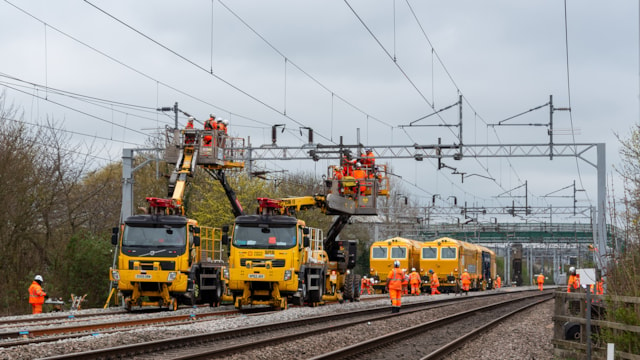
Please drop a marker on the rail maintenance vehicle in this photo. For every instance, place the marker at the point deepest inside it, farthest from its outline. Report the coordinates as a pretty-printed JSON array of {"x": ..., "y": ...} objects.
[
  {"x": 164, "y": 258},
  {"x": 275, "y": 258}
]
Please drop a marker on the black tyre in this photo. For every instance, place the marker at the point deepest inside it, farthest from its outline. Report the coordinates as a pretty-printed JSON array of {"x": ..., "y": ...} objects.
[
  {"x": 315, "y": 296},
  {"x": 357, "y": 284},
  {"x": 349, "y": 287}
]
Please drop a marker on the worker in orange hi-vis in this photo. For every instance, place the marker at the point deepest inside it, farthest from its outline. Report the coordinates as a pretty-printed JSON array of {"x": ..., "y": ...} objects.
[
  {"x": 189, "y": 138},
  {"x": 414, "y": 281},
  {"x": 573, "y": 283},
  {"x": 210, "y": 124},
  {"x": 394, "y": 286},
  {"x": 359, "y": 174},
  {"x": 37, "y": 295},
  {"x": 364, "y": 285},
  {"x": 465, "y": 280},
  {"x": 540, "y": 280},
  {"x": 498, "y": 282},
  {"x": 600, "y": 287},
  {"x": 405, "y": 282},
  {"x": 435, "y": 283}
]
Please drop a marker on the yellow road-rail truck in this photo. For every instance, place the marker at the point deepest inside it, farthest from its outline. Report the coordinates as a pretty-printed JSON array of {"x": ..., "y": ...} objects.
[
  {"x": 167, "y": 260},
  {"x": 275, "y": 259}
]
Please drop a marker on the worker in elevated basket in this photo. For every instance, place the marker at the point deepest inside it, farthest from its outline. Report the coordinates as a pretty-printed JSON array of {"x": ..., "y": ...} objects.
[
  {"x": 394, "y": 286},
  {"x": 465, "y": 280},
  {"x": 37, "y": 295}
]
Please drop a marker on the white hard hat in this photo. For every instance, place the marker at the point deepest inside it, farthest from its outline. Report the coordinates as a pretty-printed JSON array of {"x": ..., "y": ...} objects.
[
  {"x": 225, "y": 121},
  {"x": 413, "y": 269},
  {"x": 212, "y": 115},
  {"x": 465, "y": 270},
  {"x": 38, "y": 278},
  {"x": 190, "y": 118},
  {"x": 396, "y": 263},
  {"x": 358, "y": 164},
  {"x": 572, "y": 270}
]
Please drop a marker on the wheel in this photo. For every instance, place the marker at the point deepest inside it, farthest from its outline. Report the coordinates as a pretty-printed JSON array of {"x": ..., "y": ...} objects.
[
  {"x": 315, "y": 296},
  {"x": 215, "y": 302},
  {"x": 357, "y": 282},
  {"x": 189, "y": 299},
  {"x": 348, "y": 287},
  {"x": 303, "y": 293},
  {"x": 572, "y": 331}
]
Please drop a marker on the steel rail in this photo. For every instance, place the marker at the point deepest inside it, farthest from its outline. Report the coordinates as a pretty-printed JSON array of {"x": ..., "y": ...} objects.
[
  {"x": 391, "y": 338},
  {"x": 456, "y": 344},
  {"x": 192, "y": 341}
]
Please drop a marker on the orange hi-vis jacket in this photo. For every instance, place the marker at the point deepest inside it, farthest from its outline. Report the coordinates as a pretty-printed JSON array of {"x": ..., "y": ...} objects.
[
  {"x": 465, "y": 278},
  {"x": 414, "y": 278},
  {"x": 434, "y": 280},
  {"x": 573, "y": 283},
  {"x": 36, "y": 294},
  {"x": 395, "y": 278},
  {"x": 540, "y": 279}
]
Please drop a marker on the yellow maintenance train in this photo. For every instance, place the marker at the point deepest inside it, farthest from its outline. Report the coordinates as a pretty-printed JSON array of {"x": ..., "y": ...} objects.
[
  {"x": 384, "y": 252},
  {"x": 447, "y": 257}
]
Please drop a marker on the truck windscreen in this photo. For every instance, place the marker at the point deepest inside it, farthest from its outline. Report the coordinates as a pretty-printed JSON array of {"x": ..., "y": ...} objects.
[
  {"x": 154, "y": 236},
  {"x": 256, "y": 237}
]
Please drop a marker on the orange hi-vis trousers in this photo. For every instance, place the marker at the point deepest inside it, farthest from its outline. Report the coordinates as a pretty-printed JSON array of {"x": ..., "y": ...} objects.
[{"x": 396, "y": 297}]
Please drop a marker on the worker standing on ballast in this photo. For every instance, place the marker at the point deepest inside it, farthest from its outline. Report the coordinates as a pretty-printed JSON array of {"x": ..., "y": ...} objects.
[
  {"x": 573, "y": 284},
  {"x": 540, "y": 280},
  {"x": 394, "y": 286},
  {"x": 435, "y": 283},
  {"x": 465, "y": 280},
  {"x": 37, "y": 295},
  {"x": 414, "y": 280},
  {"x": 498, "y": 282}
]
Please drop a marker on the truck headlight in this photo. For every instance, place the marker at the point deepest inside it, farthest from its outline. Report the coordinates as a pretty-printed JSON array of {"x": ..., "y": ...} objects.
[
  {"x": 115, "y": 274},
  {"x": 287, "y": 275},
  {"x": 172, "y": 276}
]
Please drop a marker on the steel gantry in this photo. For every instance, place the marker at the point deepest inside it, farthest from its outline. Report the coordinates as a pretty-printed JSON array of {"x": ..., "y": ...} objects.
[{"x": 440, "y": 151}]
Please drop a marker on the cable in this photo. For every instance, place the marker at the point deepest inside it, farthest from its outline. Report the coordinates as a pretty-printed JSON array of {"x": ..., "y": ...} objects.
[
  {"x": 202, "y": 68},
  {"x": 296, "y": 65},
  {"x": 70, "y": 132},
  {"x": 132, "y": 68},
  {"x": 389, "y": 55},
  {"x": 573, "y": 135},
  {"x": 76, "y": 110}
]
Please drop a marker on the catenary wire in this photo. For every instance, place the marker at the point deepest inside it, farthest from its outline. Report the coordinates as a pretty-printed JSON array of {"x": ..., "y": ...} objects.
[{"x": 202, "y": 68}]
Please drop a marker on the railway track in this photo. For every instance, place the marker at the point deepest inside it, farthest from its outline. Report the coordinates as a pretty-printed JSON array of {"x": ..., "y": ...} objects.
[
  {"x": 15, "y": 332},
  {"x": 228, "y": 342},
  {"x": 434, "y": 336}
]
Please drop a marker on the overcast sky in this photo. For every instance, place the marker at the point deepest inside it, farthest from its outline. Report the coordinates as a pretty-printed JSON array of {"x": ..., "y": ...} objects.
[{"x": 329, "y": 65}]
